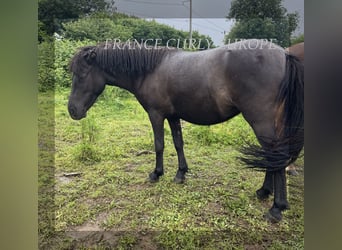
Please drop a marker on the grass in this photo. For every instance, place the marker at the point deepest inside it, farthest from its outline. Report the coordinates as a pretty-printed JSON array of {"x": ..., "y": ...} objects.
[{"x": 111, "y": 205}]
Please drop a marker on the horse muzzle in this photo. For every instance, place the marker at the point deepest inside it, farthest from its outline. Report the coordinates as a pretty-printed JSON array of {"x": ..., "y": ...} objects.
[{"x": 75, "y": 114}]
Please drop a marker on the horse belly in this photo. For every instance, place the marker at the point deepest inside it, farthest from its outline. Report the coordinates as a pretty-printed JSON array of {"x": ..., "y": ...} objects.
[
  {"x": 202, "y": 114},
  {"x": 201, "y": 103}
]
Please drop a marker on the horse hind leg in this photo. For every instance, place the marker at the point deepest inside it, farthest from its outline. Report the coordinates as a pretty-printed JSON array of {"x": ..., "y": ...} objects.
[
  {"x": 176, "y": 130},
  {"x": 275, "y": 181},
  {"x": 270, "y": 158},
  {"x": 280, "y": 197},
  {"x": 267, "y": 188}
]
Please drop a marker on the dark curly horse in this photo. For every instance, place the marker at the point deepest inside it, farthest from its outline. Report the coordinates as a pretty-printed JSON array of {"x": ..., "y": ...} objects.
[{"x": 258, "y": 79}]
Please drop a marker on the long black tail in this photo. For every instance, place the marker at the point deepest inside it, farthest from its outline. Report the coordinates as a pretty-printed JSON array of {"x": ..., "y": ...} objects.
[{"x": 279, "y": 153}]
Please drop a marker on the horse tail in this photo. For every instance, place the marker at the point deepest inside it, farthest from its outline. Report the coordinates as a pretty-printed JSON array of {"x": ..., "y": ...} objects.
[{"x": 276, "y": 154}]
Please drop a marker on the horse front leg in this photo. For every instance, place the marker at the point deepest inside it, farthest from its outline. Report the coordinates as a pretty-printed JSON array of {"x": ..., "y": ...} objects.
[
  {"x": 157, "y": 122},
  {"x": 176, "y": 130}
]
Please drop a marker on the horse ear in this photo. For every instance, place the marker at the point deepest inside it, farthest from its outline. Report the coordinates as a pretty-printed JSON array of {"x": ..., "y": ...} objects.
[{"x": 90, "y": 56}]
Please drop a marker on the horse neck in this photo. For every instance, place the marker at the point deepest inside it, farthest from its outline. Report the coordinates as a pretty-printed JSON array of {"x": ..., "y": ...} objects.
[{"x": 125, "y": 82}]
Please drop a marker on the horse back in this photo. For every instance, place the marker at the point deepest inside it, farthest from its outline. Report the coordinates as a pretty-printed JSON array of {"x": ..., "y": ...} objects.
[{"x": 212, "y": 86}]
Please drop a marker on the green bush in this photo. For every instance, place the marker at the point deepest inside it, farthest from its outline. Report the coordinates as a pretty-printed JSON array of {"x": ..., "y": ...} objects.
[
  {"x": 95, "y": 29},
  {"x": 297, "y": 39},
  {"x": 53, "y": 62},
  {"x": 64, "y": 51},
  {"x": 46, "y": 67}
]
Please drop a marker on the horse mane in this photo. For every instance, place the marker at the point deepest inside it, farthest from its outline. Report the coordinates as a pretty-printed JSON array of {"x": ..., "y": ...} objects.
[
  {"x": 78, "y": 64},
  {"x": 121, "y": 58}
]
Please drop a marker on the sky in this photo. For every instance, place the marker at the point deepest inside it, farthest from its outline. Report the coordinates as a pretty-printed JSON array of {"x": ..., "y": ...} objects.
[{"x": 208, "y": 16}]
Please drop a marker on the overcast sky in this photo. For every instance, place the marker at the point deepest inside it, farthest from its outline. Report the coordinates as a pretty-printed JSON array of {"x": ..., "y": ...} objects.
[{"x": 208, "y": 16}]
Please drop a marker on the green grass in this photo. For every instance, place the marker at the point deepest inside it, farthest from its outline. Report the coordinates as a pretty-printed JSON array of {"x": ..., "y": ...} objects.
[{"x": 215, "y": 209}]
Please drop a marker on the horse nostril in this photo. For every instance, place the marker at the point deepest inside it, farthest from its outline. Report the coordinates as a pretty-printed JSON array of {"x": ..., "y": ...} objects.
[{"x": 72, "y": 111}]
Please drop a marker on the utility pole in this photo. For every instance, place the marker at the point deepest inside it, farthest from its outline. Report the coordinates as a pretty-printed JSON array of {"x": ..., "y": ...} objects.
[
  {"x": 190, "y": 21},
  {"x": 190, "y": 26}
]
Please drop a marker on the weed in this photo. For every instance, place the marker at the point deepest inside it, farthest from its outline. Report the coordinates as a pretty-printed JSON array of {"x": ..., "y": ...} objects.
[
  {"x": 86, "y": 151},
  {"x": 89, "y": 130}
]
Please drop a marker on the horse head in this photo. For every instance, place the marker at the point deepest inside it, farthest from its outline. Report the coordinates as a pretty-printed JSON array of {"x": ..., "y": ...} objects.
[{"x": 88, "y": 82}]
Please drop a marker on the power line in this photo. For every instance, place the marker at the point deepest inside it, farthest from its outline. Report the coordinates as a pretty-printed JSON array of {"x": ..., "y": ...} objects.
[
  {"x": 206, "y": 19},
  {"x": 190, "y": 24},
  {"x": 194, "y": 23},
  {"x": 218, "y": 28},
  {"x": 209, "y": 21},
  {"x": 207, "y": 27},
  {"x": 176, "y": 4},
  {"x": 156, "y": 3},
  {"x": 173, "y": 20}
]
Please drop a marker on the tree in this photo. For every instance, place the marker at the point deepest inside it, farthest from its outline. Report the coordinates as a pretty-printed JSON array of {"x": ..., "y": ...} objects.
[
  {"x": 250, "y": 9},
  {"x": 266, "y": 19},
  {"x": 95, "y": 29},
  {"x": 51, "y": 13}
]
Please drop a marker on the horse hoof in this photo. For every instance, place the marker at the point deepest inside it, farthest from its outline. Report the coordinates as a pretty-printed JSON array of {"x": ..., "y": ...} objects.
[
  {"x": 153, "y": 177},
  {"x": 262, "y": 194},
  {"x": 178, "y": 180},
  {"x": 273, "y": 216},
  {"x": 292, "y": 172}
]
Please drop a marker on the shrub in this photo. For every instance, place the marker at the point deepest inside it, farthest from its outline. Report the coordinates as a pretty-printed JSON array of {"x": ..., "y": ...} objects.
[
  {"x": 46, "y": 67},
  {"x": 297, "y": 39},
  {"x": 64, "y": 51},
  {"x": 53, "y": 62},
  {"x": 95, "y": 29}
]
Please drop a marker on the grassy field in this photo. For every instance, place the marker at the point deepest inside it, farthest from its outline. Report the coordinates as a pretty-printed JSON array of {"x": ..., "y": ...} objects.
[{"x": 107, "y": 202}]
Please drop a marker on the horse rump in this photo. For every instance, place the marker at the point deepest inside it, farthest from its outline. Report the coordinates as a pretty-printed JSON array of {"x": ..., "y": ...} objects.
[{"x": 277, "y": 153}]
